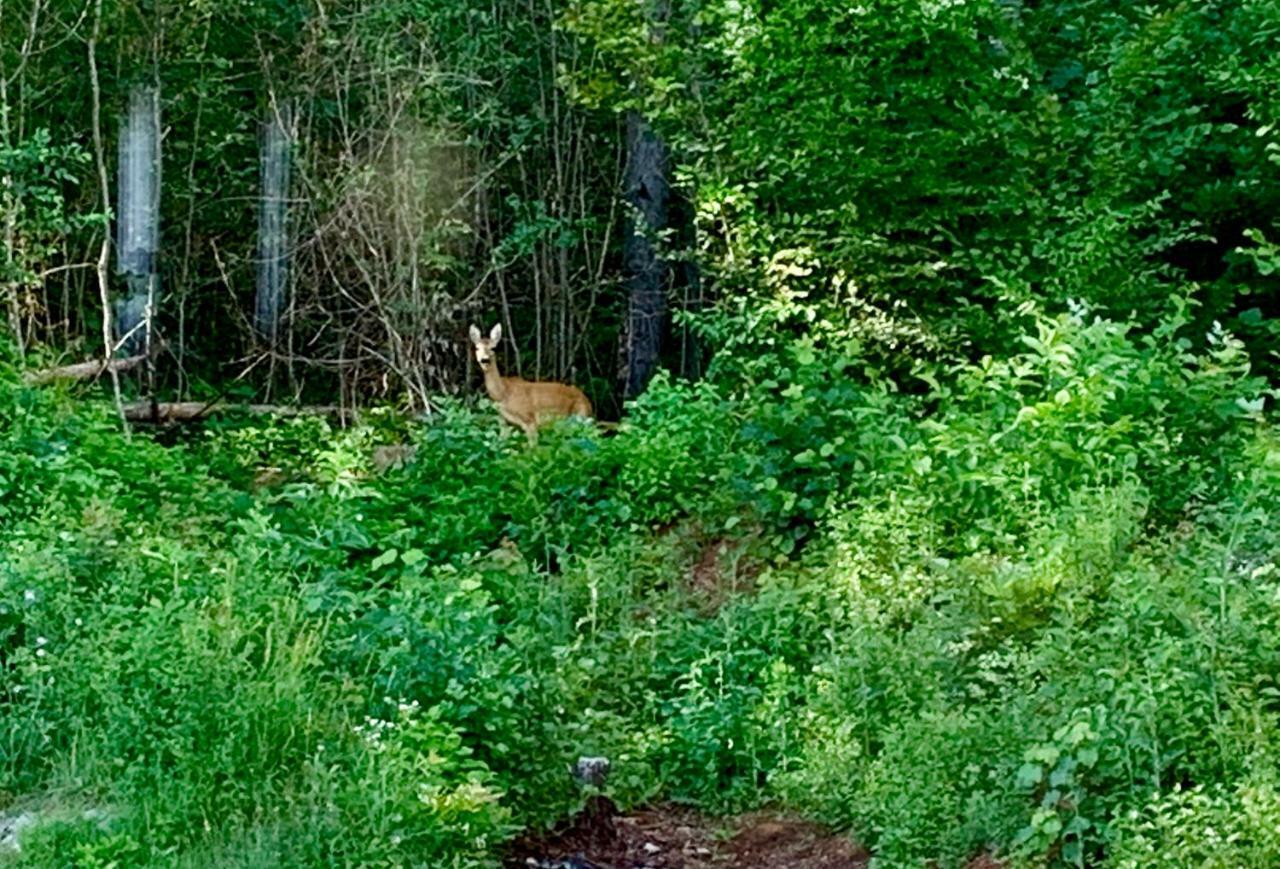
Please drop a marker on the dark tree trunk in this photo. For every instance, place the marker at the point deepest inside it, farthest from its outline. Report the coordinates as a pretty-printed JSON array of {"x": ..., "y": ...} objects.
[{"x": 648, "y": 193}]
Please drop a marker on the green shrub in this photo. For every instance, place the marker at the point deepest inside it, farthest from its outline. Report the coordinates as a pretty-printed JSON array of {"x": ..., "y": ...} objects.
[
  {"x": 1202, "y": 826},
  {"x": 998, "y": 615}
]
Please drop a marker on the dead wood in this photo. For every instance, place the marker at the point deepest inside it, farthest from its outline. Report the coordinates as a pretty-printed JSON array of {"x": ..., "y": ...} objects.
[
  {"x": 82, "y": 370},
  {"x": 192, "y": 411}
]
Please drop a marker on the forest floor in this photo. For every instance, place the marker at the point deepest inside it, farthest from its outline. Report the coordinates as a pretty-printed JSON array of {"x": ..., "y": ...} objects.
[{"x": 671, "y": 837}]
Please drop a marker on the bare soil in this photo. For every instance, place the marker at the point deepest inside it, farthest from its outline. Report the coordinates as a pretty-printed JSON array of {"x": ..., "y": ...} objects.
[
  {"x": 722, "y": 568},
  {"x": 675, "y": 838}
]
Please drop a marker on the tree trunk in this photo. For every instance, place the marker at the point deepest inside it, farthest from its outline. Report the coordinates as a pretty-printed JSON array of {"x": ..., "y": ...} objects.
[
  {"x": 273, "y": 215},
  {"x": 138, "y": 219},
  {"x": 647, "y": 192},
  {"x": 104, "y": 191}
]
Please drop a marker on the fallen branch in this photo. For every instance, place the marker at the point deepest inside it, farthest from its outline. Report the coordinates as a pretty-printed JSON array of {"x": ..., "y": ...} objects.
[
  {"x": 192, "y": 411},
  {"x": 82, "y": 370}
]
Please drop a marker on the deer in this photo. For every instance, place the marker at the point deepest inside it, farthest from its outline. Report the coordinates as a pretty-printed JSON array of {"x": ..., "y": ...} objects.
[{"x": 526, "y": 404}]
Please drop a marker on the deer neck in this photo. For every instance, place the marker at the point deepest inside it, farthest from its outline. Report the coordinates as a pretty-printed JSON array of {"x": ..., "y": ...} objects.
[{"x": 494, "y": 383}]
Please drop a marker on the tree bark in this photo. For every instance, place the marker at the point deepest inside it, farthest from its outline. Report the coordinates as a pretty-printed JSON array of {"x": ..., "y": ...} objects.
[{"x": 648, "y": 192}]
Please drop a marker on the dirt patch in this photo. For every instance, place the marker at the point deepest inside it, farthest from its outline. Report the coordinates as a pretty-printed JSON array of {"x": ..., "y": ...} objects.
[
  {"x": 675, "y": 838},
  {"x": 771, "y": 840},
  {"x": 722, "y": 568},
  {"x": 704, "y": 577}
]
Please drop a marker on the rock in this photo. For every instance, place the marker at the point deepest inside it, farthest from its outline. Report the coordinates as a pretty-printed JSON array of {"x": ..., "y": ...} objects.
[
  {"x": 591, "y": 771},
  {"x": 577, "y": 861},
  {"x": 13, "y": 825}
]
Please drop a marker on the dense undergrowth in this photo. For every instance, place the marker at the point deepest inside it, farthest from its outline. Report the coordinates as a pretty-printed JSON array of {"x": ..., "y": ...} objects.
[{"x": 1029, "y": 607}]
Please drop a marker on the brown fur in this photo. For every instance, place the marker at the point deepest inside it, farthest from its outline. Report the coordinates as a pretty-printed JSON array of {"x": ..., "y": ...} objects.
[{"x": 526, "y": 404}]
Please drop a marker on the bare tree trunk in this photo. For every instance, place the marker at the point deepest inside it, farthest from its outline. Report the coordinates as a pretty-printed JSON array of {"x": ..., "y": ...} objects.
[
  {"x": 273, "y": 215},
  {"x": 105, "y": 192},
  {"x": 138, "y": 220},
  {"x": 647, "y": 192}
]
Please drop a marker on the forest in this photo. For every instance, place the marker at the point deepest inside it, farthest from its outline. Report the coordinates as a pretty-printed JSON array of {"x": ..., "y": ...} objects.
[{"x": 898, "y": 484}]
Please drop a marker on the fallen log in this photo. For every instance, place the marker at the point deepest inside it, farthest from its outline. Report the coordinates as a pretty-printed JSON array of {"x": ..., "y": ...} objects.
[
  {"x": 82, "y": 370},
  {"x": 192, "y": 411}
]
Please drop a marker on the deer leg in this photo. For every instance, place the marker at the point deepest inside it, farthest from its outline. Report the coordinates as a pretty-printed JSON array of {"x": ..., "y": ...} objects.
[{"x": 530, "y": 429}]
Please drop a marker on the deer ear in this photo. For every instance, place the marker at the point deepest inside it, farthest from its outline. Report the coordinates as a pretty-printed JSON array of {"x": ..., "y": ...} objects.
[
  {"x": 496, "y": 335},
  {"x": 475, "y": 335}
]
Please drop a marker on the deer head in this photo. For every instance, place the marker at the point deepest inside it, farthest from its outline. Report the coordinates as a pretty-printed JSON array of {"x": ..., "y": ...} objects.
[{"x": 484, "y": 346}]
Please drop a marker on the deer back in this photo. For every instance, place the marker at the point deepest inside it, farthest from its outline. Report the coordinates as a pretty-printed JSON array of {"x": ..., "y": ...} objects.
[{"x": 538, "y": 401}]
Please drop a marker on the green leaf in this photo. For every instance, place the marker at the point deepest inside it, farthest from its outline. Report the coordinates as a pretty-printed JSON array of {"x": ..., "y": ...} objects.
[
  {"x": 387, "y": 557},
  {"x": 1029, "y": 775}
]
